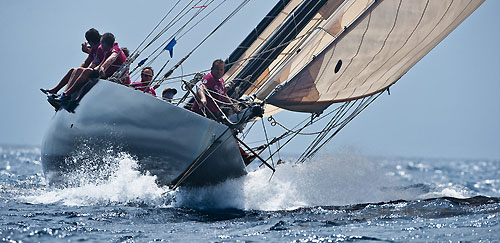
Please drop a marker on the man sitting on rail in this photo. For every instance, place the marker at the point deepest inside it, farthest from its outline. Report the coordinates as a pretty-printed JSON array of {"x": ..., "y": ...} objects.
[
  {"x": 112, "y": 60},
  {"x": 93, "y": 59}
]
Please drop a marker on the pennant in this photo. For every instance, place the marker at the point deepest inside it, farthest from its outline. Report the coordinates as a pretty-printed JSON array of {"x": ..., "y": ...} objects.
[
  {"x": 202, "y": 6},
  {"x": 170, "y": 47}
]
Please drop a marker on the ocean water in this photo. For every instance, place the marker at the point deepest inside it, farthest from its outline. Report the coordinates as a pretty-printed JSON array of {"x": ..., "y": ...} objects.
[{"x": 341, "y": 197}]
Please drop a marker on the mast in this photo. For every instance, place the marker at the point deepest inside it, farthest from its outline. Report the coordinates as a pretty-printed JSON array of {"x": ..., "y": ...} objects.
[{"x": 275, "y": 45}]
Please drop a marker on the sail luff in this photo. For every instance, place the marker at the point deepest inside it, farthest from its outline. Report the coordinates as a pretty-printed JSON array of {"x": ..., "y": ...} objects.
[
  {"x": 336, "y": 24},
  {"x": 274, "y": 46},
  {"x": 255, "y": 33}
]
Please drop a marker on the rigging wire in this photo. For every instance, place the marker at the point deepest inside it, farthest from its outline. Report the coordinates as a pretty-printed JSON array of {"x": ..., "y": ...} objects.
[
  {"x": 338, "y": 120},
  {"x": 364, "y": 103},
  {"x": 248, "y": 130},
  {"x": 161, "y": 46},
  {"x": 216, "y": 7},
  {"x": 256, "y": 57},
  {"x": 166, "y": 28},
  {"x": 158, "y": 82},
  {"x": 157, "y": 25},
  {"x": 267, "y": 140}
]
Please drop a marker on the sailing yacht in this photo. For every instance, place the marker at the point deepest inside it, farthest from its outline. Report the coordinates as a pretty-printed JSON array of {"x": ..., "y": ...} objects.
[{"x": 328, "y": 58}]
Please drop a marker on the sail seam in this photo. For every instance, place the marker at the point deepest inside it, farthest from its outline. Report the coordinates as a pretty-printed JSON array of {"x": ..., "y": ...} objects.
[
  {"x": 385, "y": 85},
  {"x": 292, "y": 85},
  {"x": 293, "y": 48},
  {"x": 463, "y": 10},
  {"x": 403, "y": 45},
  {"x": 381, "y": 48},
  {"x": 357, "y": 52}
]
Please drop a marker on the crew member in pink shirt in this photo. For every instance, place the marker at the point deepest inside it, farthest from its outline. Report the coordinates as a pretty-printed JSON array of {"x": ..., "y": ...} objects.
[
  {"x": 146, "y": 77},
  {"x": 113, "y": 58},
  {"x": 94, "y": 58},
  {"x": 117, "y": 63},
  {"x": 212, "y": 84}
]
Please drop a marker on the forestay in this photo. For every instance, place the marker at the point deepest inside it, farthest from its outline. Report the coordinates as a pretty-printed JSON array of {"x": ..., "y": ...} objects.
[{"x": 362, "y": 49}]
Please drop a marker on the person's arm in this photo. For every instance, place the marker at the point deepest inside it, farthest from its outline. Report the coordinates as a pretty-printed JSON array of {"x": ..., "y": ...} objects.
[
  {"x": 87, "y": 62},
  {"x": 107, "y": 63},
  {"x": 85, "y": 48},
  {"x": 228, "y": 100},
  {"x": 234, "y": 107},
  {"x": 201, "y": 94}
]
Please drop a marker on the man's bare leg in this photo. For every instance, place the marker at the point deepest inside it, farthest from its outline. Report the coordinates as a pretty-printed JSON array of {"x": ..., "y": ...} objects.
[
  {"x": 73, "y": 78},
  {"x": 79, "y": 81},
  {"x": 63, "y": 82}
]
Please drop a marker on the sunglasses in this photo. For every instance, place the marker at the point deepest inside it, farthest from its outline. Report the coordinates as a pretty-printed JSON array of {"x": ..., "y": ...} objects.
[{"x": 147, "y": 75}]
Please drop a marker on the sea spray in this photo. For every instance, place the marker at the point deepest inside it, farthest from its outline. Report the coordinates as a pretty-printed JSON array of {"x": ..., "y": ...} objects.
[
  {"x": 124, "y": 185},
  {"x": 143, "y": 216},
  {"x": 340, "y": 179},
  {"x": 332, "y": 180}
]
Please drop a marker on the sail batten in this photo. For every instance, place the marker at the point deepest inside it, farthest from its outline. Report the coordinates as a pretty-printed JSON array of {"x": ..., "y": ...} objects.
[{"x": 386, "y": 39}]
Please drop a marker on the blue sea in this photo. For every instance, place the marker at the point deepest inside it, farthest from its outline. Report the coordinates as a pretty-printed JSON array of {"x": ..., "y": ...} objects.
[{"x": 342, "y": 197}]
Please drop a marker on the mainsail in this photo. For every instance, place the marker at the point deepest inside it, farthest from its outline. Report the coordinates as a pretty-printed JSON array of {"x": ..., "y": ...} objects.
[{"x": 362, "y": 49}]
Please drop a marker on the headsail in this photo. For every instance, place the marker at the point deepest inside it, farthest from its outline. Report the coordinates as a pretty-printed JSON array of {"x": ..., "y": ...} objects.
[
  {"x": 385, "y": 39},
  {"x": 258, "y": 35},
  {"x": 276, "y": 43}
]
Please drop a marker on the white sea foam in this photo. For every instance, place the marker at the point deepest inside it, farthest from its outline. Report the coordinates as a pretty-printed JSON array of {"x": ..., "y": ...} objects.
[
  {"x": 124, "y": 185},
  {"x": 447, "y": 191},
  {"x": 340, "y": 179}
]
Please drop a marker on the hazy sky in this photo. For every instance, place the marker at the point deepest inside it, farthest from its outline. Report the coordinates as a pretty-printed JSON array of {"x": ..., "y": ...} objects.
[{"x": 445, "y": 106}]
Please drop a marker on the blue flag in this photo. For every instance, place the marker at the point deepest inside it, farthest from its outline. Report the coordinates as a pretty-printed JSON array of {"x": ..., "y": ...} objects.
[
  {"x": 170, "y": 46},
  {"x": 142, "y": 62}
]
